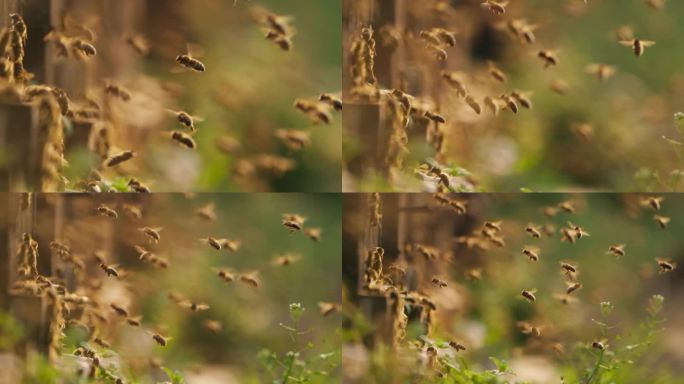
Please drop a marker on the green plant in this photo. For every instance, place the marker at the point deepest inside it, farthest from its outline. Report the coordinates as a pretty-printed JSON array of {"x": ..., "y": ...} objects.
[{"x": 299, "y": 364}]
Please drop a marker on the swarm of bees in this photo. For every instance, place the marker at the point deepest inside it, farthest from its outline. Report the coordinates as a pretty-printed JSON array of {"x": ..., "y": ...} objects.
[{"x": 75, "y": 296}]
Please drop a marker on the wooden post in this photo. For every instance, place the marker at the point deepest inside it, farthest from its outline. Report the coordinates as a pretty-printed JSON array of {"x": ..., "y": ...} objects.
[{"x": 21, "y": 147}]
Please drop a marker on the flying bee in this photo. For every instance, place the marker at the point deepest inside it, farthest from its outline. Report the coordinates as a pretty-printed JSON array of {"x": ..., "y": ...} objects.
[
  {"x": 568, "y": 235},
  {"x": 317, "y": 111},
  {"x": 183, "y": 139},
  {"x": 161, "y": 340},
  {"x": 190, "y": 62},
  {"x": 110, "y": 270},
  {"x": 559, "y": 86},
  {"x": 474, "y": 105},
  {"x": 207, "y": 212},
  {"x": 599, "y": 344},
  {"x": 509, "y": 103},
  {"x": 498, "y": 241},
  {"x": 550, "y": 58},
  {"x": 602, "y": 71},
  {"x": 83, "y": 47},
  {"x": 662, "y": 221},
  {"x": 638, "y": 46},
  {"x": 520, "y": 28},
  {"x": 496, "y": 73},
  {"x": 286, "y": 260},
  {"x": 437, "y": 118},
  {"x": 332, "y": 100},
  {"x": 293, "y": 222},
  {"x": 522, "y": 98},
  {"x": 225, "y": 274},
  {"x": 474, "y": 274},
  {"x": 533, "y": 230},
  {"x": 139, "y": 44},
  {"x": 119, "y": 158},
  {"x": 572, "y": 287},
  {"x": 436, "y": 281},
  {"x": 531, "y": 253},
  {"x": 137, "y": 186},
  {"x": 143, "y": 254},
  {"x": 493, "y": 225},
  {"x": 577, "y": 230},
  {"x": 185, "y": 118},
  {"x": 528, "y": 329},
  {"x": 132, "y": 211},
  {"x": 492, "y": 104},
  {"x": 121, "y": 311},
  {"x": 656, "y": 4},
  {"x": 452, "y": 78},
  {"x": 326, "y": 308},
  {"x": 495, "y": 7},
  {"x": 118, "y": 91},
  {"x": 152, "y": 233},
  {"x": 529, "y": 295},
  {"x": 134, "y": 321},
  {"x": 293, "y": 139},
  {"x": 457, "y": 346},
  {"x": 104, "y": 210},
  {"x": 251, "y": 278},
  {"x": 665, "y": 266},
  {"x": 568, "y": 268},
  {"x": 102, "y": 343},
  {"x": 617, "y": 250},
  {"x": 652, "y": 201},
  {"x": 195, "y": 307},
  {"x": 314, "y": 234},
  {"x": 213, "y": 326},
  {"x": 215, "y": 243}
]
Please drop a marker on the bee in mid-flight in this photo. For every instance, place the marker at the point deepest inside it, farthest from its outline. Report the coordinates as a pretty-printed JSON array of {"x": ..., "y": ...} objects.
[
  {"x": 190, "y": 62},
  {"x": 638, "y": 46}
]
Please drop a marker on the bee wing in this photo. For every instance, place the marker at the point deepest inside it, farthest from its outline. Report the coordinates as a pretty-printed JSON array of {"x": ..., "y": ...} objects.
[
  {"x": 627, "y": 43},
  {"x": 195, "y": 50},
  {"x": 647, "y": 43}
]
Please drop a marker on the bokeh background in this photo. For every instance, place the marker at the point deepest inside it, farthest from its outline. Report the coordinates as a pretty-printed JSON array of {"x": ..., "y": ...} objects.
[
  {"x": 483, "y": 314},
  {"x": 548, "y": 148},
  {"x": 249, "y": 317}
]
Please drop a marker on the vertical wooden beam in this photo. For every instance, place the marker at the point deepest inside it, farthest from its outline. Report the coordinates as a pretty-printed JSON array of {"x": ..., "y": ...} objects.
[{"x": 21, "y": 148}]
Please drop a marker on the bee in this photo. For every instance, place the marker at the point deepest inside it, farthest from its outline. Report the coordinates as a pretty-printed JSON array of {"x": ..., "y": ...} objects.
[
  {"x": 317, "y": 111},
  {"x": 510, "y": 103},
  {"x": 522, "y": 29},
  {"x": 102, "y": 343},
  {"x": 529, "y": 295},
  {"x": 493, "y": 225},
  {"x": 294, "y": 140},
  {"x": 225, "y": 274},
  {"x": 533, "y": 231},
  {"x": 559, "y": 86},
  {"x": 528, "y": 329},
  {"x": 118, "y": 91},
  {"x": 600, "y": 345},
  {"x": 119, "y": 158},
  {"x": 495, "y": 7},
  {"x": 656, "y": 4},
  {"x": 452, "y": 78},
  {"x": 572, "y": 287},
  {"x": 326, "y": 308},
  {"x": 207, "y": 212},
  {"x": 138, "y": 187},
  {"x": 83, "y": 47},
  {"x": 474, "y": 274},
  {"x": 185, "y": 119},
  {"x": 152, "y": 233},
  {"x": 550, "y": 58},
  {"x": 662, "y": 221},
  {"x": 568, "y": 268},
  {"x": 617, "y": 250},
  {"x": 195, "y": 307},
  {"x": 134, "y": 321},
  {"x": 492, "y": 104},
  {"x": 313, "y": 234},
  {"x": 251, "y": 278},
  {"x": 496, "y": 73},
  {"x": 652, "y": 201},
  {"x": 665, "y": 266},
  {"x": 293, "y": 222},
  {"x": 470, "y": 100},
  {"x": 132, "y": 211},
  {"x": 185, "y": 140},
  {"x": 578, "y": 231},
  {"x": 190, "y": 62},
  {"x": 139, "y": 44},
  {"x": 522, "y": 98},
  {"x": 213, "y": 326},
  {"x": 110, "y": 270},
  {"x": 602, "y": 71},
  {"x": 531, "y": 253},
  {"x": 161, "y": 340},
  {"x": 286, "y": 260},
  {"x": 439, "y": 282},
  {"x": 103, "y": 210},
  {"x": 638, "y": 46},
  {"x": 143, "y": 254},
  {"x": 332, "y": 100},
  {"x": 498, "y": 241},
  {"x": 568, "y": 235},
  {"x": 121, "y": 311},
  {"x": 457, "y": 346},
  {"x": 437, "y": 118}
]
